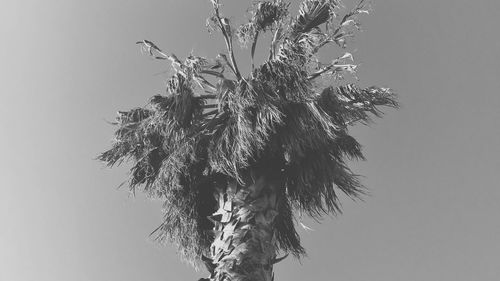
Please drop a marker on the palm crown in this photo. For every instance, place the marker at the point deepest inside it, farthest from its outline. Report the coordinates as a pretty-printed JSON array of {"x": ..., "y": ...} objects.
[{"x": 290, "y": 115}]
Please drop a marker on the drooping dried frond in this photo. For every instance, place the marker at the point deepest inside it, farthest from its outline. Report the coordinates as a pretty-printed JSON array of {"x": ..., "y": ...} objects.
[
  {"x": 243, "y": 133},
  {"x": 287, "y": 237},
  {"x": 286, "y": 81},
  {"x": 168, "y": 153},
  {"x": 314, "y": 147},
  {"x": 149, "y": 136},
  {"x": 313, "y": 177},
  {"x": 185, "y": 223}
]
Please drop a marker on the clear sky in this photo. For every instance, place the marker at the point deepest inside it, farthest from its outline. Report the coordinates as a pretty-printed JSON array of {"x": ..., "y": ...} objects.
[{"x": 67, "y": 66}]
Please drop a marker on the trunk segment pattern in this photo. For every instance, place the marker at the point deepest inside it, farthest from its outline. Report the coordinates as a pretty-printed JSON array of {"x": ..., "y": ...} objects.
[{"x": 244, "y": 246}]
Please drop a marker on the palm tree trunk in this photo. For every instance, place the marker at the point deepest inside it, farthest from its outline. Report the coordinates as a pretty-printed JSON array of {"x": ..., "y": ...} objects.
[{"x": 244, "y": 243}]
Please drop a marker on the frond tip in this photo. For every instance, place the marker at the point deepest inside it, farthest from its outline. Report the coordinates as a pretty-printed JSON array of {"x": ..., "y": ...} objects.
[
  {"x": 264, "y": 16},
  {"x": 349, "y": 104},
  {"x": 313, "y": 13}
]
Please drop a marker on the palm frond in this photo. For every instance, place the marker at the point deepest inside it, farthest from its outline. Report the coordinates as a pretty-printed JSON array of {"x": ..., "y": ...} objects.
[
  {"x": 185, "y": 211},
  {"x": 312, "y": 13},
  {"x": 313, "y": 176},
  {"x": 242, "y": 134},
  {"x": 265, "y": 15},
  {"x": 349, "y": 104},
  {"x": 287, "y": 237},
  {"x": 223, "y": 24},
  {"x": 283, "y": 79}
]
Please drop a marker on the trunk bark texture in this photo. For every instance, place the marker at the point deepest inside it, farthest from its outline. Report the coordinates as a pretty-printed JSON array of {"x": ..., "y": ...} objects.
[{"x": 244, "y": 244}]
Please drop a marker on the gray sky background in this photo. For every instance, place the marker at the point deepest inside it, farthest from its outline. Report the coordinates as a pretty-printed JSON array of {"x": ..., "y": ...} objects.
[{"x": 67, "y": 66}]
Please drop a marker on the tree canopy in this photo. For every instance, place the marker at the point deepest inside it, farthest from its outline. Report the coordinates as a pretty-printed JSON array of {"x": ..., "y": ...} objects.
[{"x": 213, "y": 125}]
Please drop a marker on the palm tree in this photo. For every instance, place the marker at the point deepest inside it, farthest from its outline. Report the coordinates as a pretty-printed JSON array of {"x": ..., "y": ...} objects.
[{"x": 233, "y": 156}]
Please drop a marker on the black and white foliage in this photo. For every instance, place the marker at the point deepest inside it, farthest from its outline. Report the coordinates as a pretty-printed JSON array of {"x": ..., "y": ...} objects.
[{"x": 215, "y": 123}]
